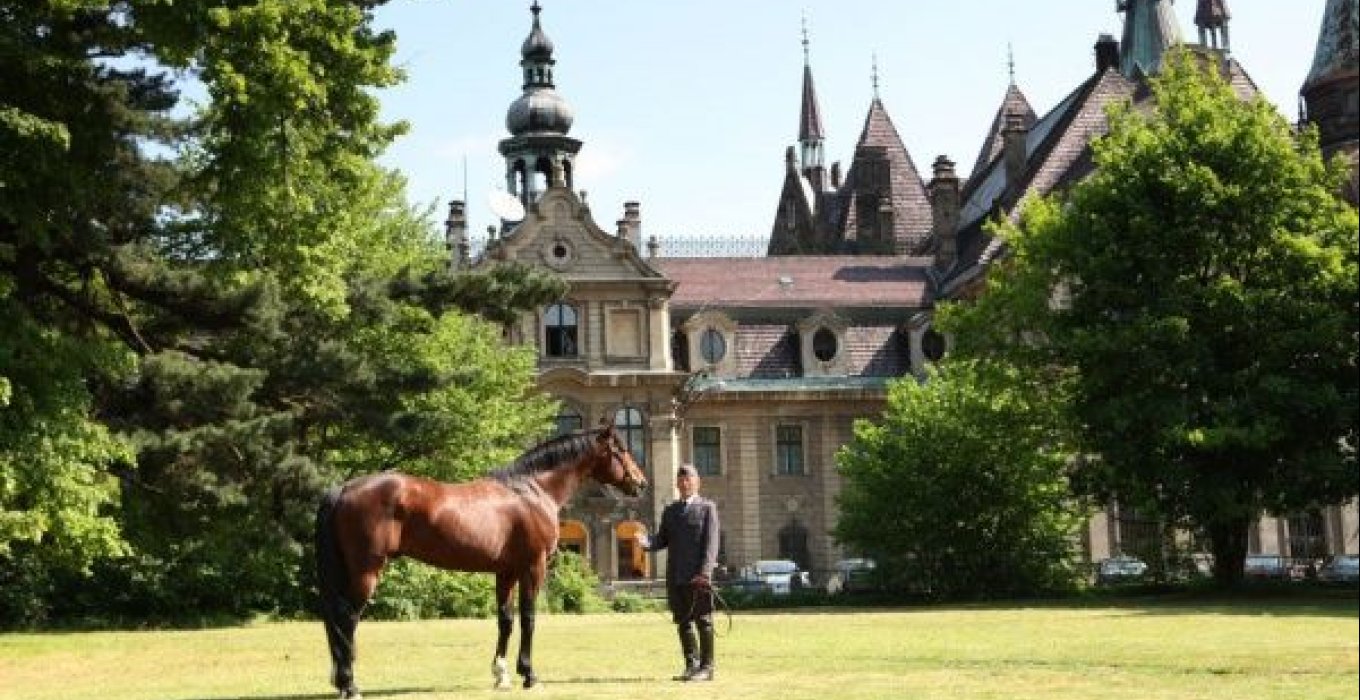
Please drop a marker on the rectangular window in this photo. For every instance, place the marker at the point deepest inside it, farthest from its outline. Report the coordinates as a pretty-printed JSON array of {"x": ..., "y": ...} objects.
[
  {"x": 708, "y": 450},
  {"x": 788, "y": 452}
]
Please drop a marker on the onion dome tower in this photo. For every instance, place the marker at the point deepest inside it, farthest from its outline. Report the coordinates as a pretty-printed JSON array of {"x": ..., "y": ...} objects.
[{"x": 538, "y": 154}]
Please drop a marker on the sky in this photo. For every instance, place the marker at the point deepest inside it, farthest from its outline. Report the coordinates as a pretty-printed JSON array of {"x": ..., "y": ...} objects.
[{"x": 687, "y": 106}]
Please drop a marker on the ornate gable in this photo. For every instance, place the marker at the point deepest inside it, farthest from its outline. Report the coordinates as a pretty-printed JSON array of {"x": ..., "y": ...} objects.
[{"x": 559, "y": 233}]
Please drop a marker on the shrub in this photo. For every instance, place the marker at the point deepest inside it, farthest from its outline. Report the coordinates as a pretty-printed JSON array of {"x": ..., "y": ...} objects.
[
  {"x": 572, "y": 585},
  {"x": 410, "y": 590}
]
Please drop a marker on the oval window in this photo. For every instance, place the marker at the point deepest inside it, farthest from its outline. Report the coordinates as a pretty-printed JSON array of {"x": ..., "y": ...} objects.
[
  {"x": 932, "y": 345},
  {"x": 824, "y": 344},
  {"x": 712, "y": 346}
]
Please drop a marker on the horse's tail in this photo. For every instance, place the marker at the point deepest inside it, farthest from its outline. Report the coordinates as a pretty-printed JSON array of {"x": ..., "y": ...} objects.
[{"x": 337, "y": 612}]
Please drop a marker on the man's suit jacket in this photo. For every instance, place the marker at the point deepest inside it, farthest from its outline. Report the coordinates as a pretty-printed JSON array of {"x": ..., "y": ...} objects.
[{"x": 691, "y": 532}]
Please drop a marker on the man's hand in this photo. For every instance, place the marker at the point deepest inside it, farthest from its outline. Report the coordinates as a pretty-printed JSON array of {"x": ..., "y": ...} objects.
[{"x": 701, "y": 582}]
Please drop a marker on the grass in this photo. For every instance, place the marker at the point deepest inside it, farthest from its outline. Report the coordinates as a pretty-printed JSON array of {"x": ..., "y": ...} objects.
[{"x": 1134, "y": 649}]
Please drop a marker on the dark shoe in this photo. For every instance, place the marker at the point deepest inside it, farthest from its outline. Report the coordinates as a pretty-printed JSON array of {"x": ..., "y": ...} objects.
[
  {"x": 687, "y": 674},
  {"x": 703, "y": 673}
]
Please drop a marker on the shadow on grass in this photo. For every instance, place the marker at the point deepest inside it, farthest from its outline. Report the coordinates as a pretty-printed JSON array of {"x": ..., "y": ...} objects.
[
  {"x": 593, "y": 680},
  {"x": 388, "y": 693}
]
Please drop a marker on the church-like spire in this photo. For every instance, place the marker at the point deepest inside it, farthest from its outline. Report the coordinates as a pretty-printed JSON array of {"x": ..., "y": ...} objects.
[
  {"x": 538, "y": 154},
  {"x": 1150, "y": 28},
  {"x": 1211, "y": 17},
  {"x": 810, "y": 133}
]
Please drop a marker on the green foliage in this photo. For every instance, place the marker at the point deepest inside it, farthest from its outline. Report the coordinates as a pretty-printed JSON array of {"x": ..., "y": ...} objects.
[
  {"x": 410, "y": 590},
  {"x": 960, "y": 491},
  {"x": 1207, "y": 284},
  {"x": 572, "y": 586},
  {"x": 214, "y": 311},
  {"x": 627, "y": 602}
]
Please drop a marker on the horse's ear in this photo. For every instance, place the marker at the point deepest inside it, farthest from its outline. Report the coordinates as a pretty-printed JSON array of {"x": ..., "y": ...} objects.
[{"x": 606, "y": 426}]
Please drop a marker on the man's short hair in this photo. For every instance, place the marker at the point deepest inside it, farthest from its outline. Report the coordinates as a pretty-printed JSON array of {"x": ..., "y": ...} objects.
[{"x": 686, "y": 470}]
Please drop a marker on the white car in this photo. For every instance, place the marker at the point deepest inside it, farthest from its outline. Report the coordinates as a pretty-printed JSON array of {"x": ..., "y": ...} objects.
[{"x": 779, "y": 576}]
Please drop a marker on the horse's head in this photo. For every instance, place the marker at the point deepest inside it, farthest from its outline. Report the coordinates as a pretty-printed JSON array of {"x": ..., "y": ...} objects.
[{"x": 615, "y": 466}]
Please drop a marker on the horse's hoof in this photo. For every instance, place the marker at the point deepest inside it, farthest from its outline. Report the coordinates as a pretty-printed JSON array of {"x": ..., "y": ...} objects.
[
  {"x": 350, "y": 694},
  {"x": 530, "y": 682}
]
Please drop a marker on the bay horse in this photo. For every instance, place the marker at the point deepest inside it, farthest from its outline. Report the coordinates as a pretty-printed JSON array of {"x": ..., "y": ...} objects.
[{"x": 504, "y": 524}]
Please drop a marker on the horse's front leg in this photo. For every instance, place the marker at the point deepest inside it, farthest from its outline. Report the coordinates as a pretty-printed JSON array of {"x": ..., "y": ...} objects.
[
  {"x": 529, "y": 585},
  {"x": 505, "y": 622}
]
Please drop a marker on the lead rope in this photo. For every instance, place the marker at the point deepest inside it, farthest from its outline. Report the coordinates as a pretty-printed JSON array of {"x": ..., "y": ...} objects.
[{"x": 716, "y": 601}]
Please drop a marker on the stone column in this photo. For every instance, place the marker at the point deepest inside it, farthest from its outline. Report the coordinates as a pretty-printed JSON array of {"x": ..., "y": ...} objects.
[
  {"x": 663, "y": 457},
  {"x": 658, "y": 334}
]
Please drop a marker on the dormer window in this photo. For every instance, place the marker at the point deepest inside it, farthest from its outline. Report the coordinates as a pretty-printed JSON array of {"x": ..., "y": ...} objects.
[
  {"x": 824, "y": 345},
  {"x": 560, "y": 331},
  {"x": 712, "y": 346}
]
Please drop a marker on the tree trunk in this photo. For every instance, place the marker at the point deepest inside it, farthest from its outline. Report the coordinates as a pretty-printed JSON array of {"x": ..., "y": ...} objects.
[{"x": 1228, "y": 539}]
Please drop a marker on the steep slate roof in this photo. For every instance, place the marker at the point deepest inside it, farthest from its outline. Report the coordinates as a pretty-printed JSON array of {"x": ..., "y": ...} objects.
[
  {"x": 799, "y": 281},
  {"x": 1338, "y": 46},
  {"x": 906, "y": 190},
  {"x": 1058, "y": 150},
  {"x": 1013, "y": 102}
]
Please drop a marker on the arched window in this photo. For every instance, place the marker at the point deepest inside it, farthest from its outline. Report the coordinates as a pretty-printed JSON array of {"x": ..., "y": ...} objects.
[
  {"x": 568, "y": 420},
  {"x": 628, "y": 421},
  {"x": 712, "y": 346},
  {"x": 560, "y": 331}
]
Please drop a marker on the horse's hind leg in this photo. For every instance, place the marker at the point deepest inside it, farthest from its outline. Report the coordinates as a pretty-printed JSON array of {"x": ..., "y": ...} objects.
[
  {"x": 346, "y": 624},
  {"x": 505, "y": 623},
  {"x": 529, "y": 584}
]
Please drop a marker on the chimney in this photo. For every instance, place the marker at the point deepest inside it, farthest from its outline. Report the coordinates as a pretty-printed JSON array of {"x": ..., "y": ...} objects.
[
  {"x": 836, "y": 175},
  {"x": 944, "y": 213},
  {"x": 1107, "y": 53},
  {"x": 790, "y": 160},
  {"x": 455, "y": 235},
  {"x": 1013, "y": 148},
  {"x": 631, "y": 224}
]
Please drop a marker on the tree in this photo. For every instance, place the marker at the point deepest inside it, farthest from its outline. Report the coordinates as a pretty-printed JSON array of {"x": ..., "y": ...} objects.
[
  {"x": 961, "y": 491},
  {"x": 1200, "y": 287},
  {"x": 220, "y": 310}
]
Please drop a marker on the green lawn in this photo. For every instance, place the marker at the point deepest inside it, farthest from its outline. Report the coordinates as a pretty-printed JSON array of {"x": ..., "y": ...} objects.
[{"x": 1257, "y": 650}]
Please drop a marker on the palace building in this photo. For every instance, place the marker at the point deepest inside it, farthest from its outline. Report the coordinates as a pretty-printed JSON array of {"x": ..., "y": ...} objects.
[{"x": 754, "y": 369}]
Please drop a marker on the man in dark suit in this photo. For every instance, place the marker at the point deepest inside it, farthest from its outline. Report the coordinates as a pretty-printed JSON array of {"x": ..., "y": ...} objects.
[{"x": 690, "y": 531}]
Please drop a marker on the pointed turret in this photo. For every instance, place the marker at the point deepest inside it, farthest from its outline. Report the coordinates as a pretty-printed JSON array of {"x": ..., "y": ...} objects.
[
  {"x": 1013, "y": 102},
  {"x": 1211, "y": 17},
  {"x": 538, "y": 154},
  {"x": 810, "y": 134},
  {"x": 885, "y": 209},
  {"x": 1150, "y": 28},
  {"x": 1332, "y": 91}
]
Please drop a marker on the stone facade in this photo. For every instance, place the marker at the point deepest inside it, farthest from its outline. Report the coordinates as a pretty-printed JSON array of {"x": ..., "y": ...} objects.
[{"x": 755, "y": 369}]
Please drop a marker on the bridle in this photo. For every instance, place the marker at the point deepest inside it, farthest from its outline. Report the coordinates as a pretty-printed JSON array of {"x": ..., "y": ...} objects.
[{"x": 616, "y": 452}]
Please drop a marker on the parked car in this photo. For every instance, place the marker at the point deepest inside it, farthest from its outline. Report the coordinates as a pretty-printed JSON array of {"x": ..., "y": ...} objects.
[
  {"x": 1120, "y": 569},
  {"x": 852, "y": 576},
  {"x": 775, "y": 576},
  {"x": 1267, "y": 567},
  {"x": 1342, "y": 568}
]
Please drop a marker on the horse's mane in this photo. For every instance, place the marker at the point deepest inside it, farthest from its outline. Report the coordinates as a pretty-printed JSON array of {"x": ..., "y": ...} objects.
[{"x": 548, "y": 455}]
